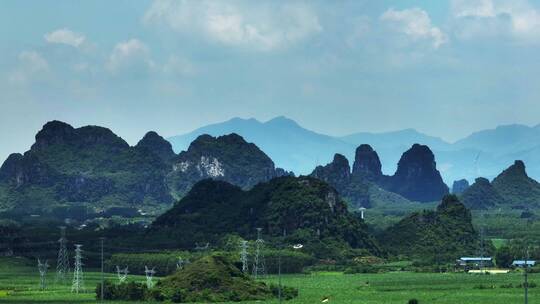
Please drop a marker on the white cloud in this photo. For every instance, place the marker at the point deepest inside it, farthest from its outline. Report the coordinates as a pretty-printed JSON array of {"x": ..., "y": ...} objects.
[
  {"x": 249, "y": 24},
  {"x": 476, "y": 8},
  {"x": 416, "y": 24},
  {"x": 31, "y": 64},
  {"x": 131, "y": 53},
  {"x": 497, "y": 17},
  {"x": 65, "y": 36},
  {"x": 176, "y": 65}
]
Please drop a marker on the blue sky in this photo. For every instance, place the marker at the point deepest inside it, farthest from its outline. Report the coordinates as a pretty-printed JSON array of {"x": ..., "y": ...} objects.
[{"x": 446, "y": 68}]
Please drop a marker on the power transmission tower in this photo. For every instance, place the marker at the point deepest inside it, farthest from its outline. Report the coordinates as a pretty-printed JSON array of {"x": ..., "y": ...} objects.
[
  {"x": 122, "y": 274},
  {"x": 102, "y": 278},
  {"x": 244, "y": 256},
  {"x": 202, "y": 248},
  {"x": 482, "y": 250},
  {"x": 62, "y": 264},
  {"x": 526, "y": 283},
  {"x": 42, "y": 267},
  {"x": 78, "y": 280},
  {"x": 181, "y": 263},
  {"x": 149, "y": 276},
  {"x": 258, "y": 265}
]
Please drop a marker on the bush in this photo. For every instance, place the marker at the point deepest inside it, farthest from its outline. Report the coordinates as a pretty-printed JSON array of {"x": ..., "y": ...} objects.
[
  {"x": 291, "y": 261},
  {"x": 482, "y": 286},
  {"x": 504, "y": 257},
  {"x": 509, "y": 285},
  {"x": 362, "y": 269},
  {"x": 412, "y": 301},
  {"x": 131, "y": 291},
  {"x": 522, "y": 285},
  {"x": 287, "y": 293}
]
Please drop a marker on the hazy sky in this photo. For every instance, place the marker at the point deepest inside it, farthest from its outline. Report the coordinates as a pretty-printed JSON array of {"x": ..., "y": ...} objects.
[{"x": 446, "y": 68}]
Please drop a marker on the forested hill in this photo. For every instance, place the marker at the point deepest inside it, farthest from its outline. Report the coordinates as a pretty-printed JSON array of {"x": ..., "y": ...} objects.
[
  {"x": 445, "y": 233},
  {"x": 303, "y": 209},
  {"x": 511, "y": 188}
]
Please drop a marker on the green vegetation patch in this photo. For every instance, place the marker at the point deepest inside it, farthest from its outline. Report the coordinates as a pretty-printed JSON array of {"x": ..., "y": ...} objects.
[{"x": 212, "y": 279}]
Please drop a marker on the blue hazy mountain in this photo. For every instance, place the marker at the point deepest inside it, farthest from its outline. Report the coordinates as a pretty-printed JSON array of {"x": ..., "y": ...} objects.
[
  {"x": 288, "y": 144},
  {"x": 503, "y": 140},
  {"x": 500, "y": 147},
  {"x": 484, "y": 153},
  {"x": 393, "y": 139}
]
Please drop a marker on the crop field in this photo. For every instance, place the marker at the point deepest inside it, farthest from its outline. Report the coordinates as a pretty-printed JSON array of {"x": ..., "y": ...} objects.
[{"x": 19, "y": 283}]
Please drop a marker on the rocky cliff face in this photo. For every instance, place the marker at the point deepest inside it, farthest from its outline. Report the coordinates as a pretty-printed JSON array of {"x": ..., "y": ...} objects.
[
  {"x": 367, "y": 164},
  {"x": 337, "y": 173},
  {"x": 417, "y": 177},
  {"x": 229, "y": 158},
  {"x": 361, "y": 188}
]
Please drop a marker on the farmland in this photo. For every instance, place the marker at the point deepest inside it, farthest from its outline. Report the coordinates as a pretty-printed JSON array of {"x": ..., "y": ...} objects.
[{"x": 19, "y": 283}]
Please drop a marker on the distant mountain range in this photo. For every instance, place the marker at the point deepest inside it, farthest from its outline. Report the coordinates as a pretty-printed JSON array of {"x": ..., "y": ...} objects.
[
  {"x": 287, "y": 143},
  {"x": 485, "y": 153}
]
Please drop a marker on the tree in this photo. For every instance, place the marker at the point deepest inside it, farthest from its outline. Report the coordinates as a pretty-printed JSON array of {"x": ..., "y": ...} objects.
[{"x": 504, "y": 257}]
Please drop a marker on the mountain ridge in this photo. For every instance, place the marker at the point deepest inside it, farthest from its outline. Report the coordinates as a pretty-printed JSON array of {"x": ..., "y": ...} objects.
[{"x": 307, "y": 149}]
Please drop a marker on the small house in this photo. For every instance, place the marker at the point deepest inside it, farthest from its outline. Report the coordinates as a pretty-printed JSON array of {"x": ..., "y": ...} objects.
[
  {"x": 468, "y": 263},
  {"x": 523, "y": 263}
]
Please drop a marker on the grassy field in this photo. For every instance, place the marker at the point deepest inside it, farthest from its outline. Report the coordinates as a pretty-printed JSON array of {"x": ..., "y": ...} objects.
[{"x": 19, "y": 284}]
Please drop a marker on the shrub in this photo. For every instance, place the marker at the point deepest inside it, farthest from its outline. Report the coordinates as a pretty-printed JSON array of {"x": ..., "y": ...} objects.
[
  {"x": 131, "y": 291},
  {"x": 287, "y": 293},
  {"x": 361, "y": 269},
  {"x": 482, "y": 286},
  {"x": 291, "y": 261},
  {"x": 412, "y": 301},
  {"x": 522, "y": 285}
]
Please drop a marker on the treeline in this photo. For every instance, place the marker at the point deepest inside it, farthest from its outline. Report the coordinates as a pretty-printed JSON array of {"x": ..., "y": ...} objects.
[{"x": 166, "y": 263}]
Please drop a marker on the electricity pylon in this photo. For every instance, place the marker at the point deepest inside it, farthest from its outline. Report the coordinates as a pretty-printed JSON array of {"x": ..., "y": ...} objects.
[
  {"x": 62, "y": 264},
  {"x": 244, "y": 256},
  {"x": 122, "y": 274},
  {"x": 180, "y": 263},
  {"x": 259, "y": 265},
  {"x": 42, "y": 267},
  {"x": 78, "y": 279},
  {"x": 149, "y": 276}
]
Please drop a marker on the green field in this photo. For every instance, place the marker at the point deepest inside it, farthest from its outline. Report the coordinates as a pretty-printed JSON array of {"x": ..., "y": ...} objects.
[{"x": 19, "y": 284}]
